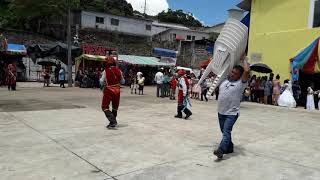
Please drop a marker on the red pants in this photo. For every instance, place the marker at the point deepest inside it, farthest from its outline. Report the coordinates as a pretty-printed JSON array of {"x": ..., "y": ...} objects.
[
  {"x": 111, "y": 95},
  {"x": 180, "y": 97}
]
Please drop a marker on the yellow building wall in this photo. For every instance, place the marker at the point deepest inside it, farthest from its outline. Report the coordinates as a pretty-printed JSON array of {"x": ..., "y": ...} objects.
[{"x": 279, "y": 31}]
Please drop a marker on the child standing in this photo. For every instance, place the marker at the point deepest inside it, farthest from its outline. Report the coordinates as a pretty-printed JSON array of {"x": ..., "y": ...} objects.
[
  {"x": 141, "y": 83},
  {"x": 310, "y": 99},
  {"x": 173, "y": 85},
  {"x": 133, "y": 85}
]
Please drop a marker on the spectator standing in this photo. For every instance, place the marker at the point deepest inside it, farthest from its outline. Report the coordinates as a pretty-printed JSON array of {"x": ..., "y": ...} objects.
[
  {"x": 276, "y": 90},
  {"x": 173, "y": 85},
  {"x": 159, "y": 80},
  {"x": 267, "y": 90},
  {"x": 61, "y": 77},
  {"x": 141, "y": 80},
  {"x": 310, "y": 99},
  {"x": 296, "y": 90}
]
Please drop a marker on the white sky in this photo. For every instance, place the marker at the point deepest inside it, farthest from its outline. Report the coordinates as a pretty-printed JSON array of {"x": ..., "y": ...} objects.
[{"x": 153, "y": 6}]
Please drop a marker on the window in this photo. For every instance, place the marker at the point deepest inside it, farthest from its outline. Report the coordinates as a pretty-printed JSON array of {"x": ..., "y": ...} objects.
[
  {"x": 193, "y": 38},
  {"x": 100, "y": 20},
  {"x": 174, "y": 36},
  {"x": 188, "y": 37},
  {"x": 148, "y": 27},
  {"x": 314, "y": 16},
  {"x": 115, "y": 22}
]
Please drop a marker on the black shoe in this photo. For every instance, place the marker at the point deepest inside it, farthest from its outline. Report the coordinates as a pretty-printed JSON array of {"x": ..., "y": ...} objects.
[
  {"x": 187, "y": 116},
  {"x": 178, "y": 116},
  {"x": 229, "y": 151},
  {"x": 218, "y": 153},
  {"x": 112, "y": 126},
  {"x": 188, "y": 113}
]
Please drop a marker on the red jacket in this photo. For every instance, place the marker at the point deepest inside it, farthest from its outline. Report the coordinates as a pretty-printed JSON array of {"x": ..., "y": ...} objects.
[
  {"x": 173, "y": 83},
  {"x": 113, "y": 76}
]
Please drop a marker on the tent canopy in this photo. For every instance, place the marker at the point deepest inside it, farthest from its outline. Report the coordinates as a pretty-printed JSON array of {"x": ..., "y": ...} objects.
[
  {"x": 159, "y": 52},
  {"x": 142, "y": 60},
  {"x": 16, "y": 49},
  {"x": 126, "y": 59},
  {"x": 308, "y": 61}
]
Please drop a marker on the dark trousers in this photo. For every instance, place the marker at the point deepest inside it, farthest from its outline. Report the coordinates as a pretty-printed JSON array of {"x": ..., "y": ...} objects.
[
  {"x": 182, "y": 108},
  {"x": 141, "y": 87},
  {"x": 160, "y": 90},
  {"x": 204, "y": 93},
  {"x": 62, "y": 83},
  {"x": 11, "y": 87},
  {"x": 226, "y": 124}
]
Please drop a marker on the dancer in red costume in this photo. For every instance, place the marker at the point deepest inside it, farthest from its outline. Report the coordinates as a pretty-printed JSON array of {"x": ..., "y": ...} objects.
[
  {"x": 183, "y": 101},
  {"x": 11, "y": 77},
  {"x": 110, "y": 81}
]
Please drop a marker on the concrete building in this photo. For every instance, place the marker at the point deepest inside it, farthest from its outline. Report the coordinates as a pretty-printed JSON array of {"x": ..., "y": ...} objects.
[
  {"x": 158, "y": 27},
  {"x": 279, "y": 30},
  {"x": 124, "y": 25},
  {"x": 173, "y": 35},
  {"x": 237, "y": 14}
]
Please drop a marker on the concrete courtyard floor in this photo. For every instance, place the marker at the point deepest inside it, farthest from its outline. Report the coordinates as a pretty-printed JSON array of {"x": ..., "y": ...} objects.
[{"x": 60, "y": 134}]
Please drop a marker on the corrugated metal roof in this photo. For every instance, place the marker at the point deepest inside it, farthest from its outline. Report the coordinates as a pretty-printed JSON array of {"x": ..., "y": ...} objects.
[
  {"x": 142, "y": 60},
  {"x": 129, "y": 59}
]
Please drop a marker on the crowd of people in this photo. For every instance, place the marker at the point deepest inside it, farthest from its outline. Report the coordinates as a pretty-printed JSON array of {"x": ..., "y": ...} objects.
[
  {"x": 270, "y": 90},
  {"x": 59, "y": 75},
  {"x": 267, "y": 90},
  {"x": 88, "y": 78}
]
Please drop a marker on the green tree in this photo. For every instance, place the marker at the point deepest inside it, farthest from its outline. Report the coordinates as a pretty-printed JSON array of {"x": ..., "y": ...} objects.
[{"x": 179, "y": 17}]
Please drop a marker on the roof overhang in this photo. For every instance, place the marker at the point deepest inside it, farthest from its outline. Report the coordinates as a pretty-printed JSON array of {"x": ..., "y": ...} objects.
[{"x": 245, "y": 5}]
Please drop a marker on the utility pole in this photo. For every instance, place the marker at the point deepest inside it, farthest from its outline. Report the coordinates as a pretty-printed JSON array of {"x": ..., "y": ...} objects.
[
  {"x": 69, "y": 46},
  {"x": 145, "y": 8}
]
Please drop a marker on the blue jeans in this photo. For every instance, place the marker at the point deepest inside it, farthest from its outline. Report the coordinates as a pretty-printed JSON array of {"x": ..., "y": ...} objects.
[{"x": 226, "y": 123}]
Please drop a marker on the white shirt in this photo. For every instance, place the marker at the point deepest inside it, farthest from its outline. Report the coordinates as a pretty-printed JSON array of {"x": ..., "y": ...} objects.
[
  {"x": 230, "y": 94},
  {"x": 159, "y": 78},
  {"x": 183, "y": 86},
  {"x": 103, "y": 79}
]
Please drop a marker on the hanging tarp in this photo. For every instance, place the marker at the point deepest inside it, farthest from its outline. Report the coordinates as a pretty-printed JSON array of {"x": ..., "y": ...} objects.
[
  {"x": 58, "y": 50},
  {"x": 307, "y": 61},
  {"x": 160, "y": 52}
]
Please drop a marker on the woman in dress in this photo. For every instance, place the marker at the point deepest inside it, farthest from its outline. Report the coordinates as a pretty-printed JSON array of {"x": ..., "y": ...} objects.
[
  {"x": 310, "y": 100},
  {"x": 286, "y": 99},
  {"x": 276, "y": 89}
]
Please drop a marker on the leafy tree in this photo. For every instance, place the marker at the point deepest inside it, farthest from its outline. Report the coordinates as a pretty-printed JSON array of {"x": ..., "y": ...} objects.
[{"x": 179, "y": 17}]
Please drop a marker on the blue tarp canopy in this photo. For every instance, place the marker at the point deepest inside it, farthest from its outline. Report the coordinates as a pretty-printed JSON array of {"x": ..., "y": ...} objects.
[
  {"x": 159, "y": 52},
  {"x": 17, "y": 49}
]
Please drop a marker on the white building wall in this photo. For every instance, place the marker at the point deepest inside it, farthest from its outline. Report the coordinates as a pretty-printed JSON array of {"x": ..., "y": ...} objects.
[
  {"x": 168, "y": 36},
  {"x": 126, "y": 25}
]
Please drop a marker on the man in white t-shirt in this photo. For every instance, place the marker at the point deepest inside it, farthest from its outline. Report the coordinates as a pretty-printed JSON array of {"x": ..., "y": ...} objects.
[
  {"x": 230, "y": 95},
  {"x": 159, "y": 80}
]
